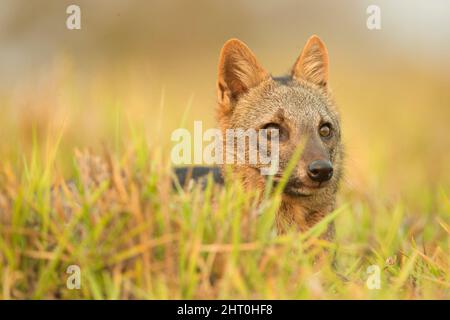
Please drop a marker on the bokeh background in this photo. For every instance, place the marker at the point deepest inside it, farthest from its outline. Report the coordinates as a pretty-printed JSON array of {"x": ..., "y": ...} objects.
[{"x": 147, "y": 65}]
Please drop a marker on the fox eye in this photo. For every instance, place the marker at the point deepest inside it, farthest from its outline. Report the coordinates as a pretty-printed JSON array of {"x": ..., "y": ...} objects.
[
  {"x": 325, "y": 130},
  {"x": 272, "y": 126},
  {"x": 281, "y": 132}
]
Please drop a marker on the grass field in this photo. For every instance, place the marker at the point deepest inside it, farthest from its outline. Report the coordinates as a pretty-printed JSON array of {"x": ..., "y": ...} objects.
[{"x": 85, "y": 179}]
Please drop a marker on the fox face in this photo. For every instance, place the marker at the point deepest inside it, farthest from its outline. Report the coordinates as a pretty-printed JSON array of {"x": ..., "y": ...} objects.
[{"x": 299, "y": 107}]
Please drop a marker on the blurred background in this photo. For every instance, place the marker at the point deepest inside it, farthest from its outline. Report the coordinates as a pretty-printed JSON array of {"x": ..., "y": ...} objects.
[{"x": 146, "y": 65}]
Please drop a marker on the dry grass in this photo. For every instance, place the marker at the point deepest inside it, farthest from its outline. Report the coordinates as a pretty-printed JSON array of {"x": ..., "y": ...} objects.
[{"x": 113, "y": 211}]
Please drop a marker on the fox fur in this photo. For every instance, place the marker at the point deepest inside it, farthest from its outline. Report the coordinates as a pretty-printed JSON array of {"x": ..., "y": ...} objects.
[{"x": 298, "y": 104}]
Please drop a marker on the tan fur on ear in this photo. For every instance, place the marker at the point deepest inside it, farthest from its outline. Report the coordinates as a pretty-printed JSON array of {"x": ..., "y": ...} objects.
[
  {"x": 238, "y": 71},
  {"x": 312, "y": 65}
]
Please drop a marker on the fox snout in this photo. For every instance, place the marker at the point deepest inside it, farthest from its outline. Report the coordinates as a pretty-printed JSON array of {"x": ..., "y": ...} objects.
[
  {"x": 320, "y": 170},
  {"x": 313, "y": 171},
  {"x": 309, "y": 177},
  {"x": 315, "y": 167}
]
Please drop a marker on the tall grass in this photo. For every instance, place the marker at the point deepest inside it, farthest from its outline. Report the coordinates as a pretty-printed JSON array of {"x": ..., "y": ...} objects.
[{"x": 112, "y": 210}]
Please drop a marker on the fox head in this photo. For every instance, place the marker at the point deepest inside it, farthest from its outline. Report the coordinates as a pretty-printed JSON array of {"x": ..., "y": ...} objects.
[{"x": 299, "y": 106}]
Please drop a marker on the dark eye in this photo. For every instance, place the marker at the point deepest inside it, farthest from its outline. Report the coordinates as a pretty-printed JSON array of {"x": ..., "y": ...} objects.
[
  {"x": 279, "y": 131},
  {"x": 272, "y": 126},
  {"x": 325, "y": 130}
]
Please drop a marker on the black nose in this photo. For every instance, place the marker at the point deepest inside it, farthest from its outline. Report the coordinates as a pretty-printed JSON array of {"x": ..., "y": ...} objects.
[{"x": 320, "y": 170}]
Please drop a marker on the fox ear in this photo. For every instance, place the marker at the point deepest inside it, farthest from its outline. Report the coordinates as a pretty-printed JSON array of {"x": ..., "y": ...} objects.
[
  {"x": 312, "y": 65},
  {"x": 238, "y": 71}
]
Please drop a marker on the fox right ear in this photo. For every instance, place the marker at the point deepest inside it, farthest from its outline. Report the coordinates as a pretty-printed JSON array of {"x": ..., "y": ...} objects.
[
  {"x": 312, "y": 65},
  {"x": 238, "y": 71}
]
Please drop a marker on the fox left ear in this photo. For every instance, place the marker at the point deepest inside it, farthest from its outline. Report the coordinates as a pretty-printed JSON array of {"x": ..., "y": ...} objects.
[
  {"x": 312, "y": 65},
  {"x": 239, "y": 71}
]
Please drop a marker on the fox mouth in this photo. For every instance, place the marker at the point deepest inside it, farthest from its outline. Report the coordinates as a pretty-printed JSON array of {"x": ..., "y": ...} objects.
[
  {"x": 296, "y": 192},
  {"x": 297, "y": 188}
]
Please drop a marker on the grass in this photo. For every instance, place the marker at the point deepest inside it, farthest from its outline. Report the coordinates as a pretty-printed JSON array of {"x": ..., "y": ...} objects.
[{"x": 112, "y": 211}]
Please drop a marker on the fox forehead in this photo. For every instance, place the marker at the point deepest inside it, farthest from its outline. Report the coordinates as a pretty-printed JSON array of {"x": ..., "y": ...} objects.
[
  {"x": 299, "y": 99},
  {"x": 298, "y": 103}
]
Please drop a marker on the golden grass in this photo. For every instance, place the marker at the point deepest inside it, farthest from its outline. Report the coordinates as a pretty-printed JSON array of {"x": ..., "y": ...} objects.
[{"x": 111, "y": 208}]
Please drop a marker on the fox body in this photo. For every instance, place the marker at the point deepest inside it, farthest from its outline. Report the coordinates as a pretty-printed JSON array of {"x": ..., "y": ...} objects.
[{"x": 301, "y": 109}]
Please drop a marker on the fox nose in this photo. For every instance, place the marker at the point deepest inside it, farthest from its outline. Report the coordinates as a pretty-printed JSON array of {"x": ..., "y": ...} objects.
[{"x": 320, "y": 170}]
